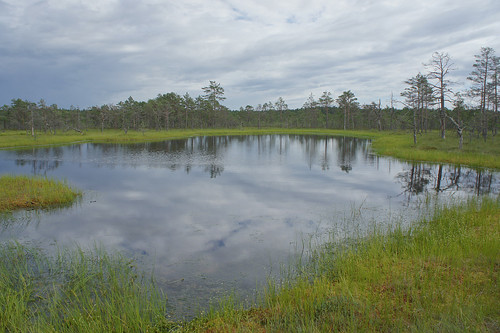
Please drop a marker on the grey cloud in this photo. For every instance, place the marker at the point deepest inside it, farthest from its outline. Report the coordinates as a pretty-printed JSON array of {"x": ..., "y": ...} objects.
[{"x": 93, "y": 52}]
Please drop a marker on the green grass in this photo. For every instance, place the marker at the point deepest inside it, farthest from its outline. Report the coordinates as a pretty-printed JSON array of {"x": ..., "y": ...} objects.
[
  {"x": 430, "y": 146},
  {"x": 19, "y": 139},
  {"x": 75, "y": 291},
  {"x": 440, "y": 275},
  {"x": 23, "y": 192}
]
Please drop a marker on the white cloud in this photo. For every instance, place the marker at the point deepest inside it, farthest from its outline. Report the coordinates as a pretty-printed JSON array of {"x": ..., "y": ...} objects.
[{"x": 95, "y": 52}]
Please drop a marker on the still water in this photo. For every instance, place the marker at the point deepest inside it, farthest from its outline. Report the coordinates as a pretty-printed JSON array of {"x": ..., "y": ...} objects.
[{"x": 215, "y": 214}]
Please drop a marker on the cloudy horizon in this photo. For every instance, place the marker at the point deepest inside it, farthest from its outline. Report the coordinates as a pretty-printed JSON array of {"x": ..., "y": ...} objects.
[{"x": 93, "y": 52}]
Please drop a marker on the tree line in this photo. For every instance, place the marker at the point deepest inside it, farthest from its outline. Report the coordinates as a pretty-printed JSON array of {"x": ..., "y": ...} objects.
[
  {"x": 422, "y": 108},
  {"x": 425, "y": 92}
]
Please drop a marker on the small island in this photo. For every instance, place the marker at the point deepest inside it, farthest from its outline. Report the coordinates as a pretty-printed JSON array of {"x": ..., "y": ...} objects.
[{"x": 23, "y": 192}]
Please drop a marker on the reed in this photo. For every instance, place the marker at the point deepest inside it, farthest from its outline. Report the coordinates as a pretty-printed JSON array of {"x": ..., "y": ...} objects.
[
  {"x": 23, "y": 192},
  {"x": 76, "y": 291}
]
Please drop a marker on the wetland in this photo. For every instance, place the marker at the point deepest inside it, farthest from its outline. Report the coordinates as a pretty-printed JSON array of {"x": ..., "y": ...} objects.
[{"x": 219, "y": 214}]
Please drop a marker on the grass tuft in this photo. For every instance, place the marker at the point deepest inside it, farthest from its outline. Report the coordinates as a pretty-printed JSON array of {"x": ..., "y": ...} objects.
[
  {"x": 23, "y": 192},
  {"x": 76, "y": 291}
]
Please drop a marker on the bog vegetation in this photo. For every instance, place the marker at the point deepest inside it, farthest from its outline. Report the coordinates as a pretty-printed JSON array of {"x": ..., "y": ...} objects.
[
  {"x": 75, "y": 291},
  {"x": 22, "y": 192}
]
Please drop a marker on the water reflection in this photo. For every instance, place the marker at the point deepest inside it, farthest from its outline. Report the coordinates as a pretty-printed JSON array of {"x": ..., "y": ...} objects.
[
  {"x": 41, "y": 159},
  {"x": 214, "y": 212},
  {"x": 419, "y": 178}
]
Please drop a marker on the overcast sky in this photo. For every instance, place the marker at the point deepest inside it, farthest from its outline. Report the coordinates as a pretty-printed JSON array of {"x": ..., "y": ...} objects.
[{"x": 95, "y": 52}]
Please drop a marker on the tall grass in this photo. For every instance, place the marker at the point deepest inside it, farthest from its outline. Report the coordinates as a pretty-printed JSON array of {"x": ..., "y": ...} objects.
[
  {"x": 76, "y": 291},
  {"x": 23, "y": 192},
  {"x": 439, "y": 275}
]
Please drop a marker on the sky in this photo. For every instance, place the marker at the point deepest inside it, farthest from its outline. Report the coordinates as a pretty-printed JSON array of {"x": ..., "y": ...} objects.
[{"x": 83, "y": 53}]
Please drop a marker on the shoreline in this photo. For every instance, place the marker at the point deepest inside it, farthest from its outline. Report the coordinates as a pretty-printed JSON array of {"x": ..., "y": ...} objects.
[{"x": 430, "y": 148}]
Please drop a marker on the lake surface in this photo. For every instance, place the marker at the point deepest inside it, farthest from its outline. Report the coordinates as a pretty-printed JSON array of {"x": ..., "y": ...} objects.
[{"x": 214, "y": 214}]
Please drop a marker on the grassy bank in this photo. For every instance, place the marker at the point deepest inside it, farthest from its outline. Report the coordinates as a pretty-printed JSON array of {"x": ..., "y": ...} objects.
[
  {"x": 75, "y": 291},
  {"x": 430, "y": 146},
  {"x": 19, "y": 139},
  {"x": 441, "y": 275},
  {"x": 22, "y": 192}
]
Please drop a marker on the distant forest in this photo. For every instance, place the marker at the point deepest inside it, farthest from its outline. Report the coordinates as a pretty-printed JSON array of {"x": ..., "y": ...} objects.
[{"x": 420, "y": 107}]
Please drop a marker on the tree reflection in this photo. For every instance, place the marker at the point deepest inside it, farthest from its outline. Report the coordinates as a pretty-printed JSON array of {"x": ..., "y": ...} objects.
[
  {"x": 347, "y": 149},
  {"x": 208, "y": 154},
  {"x": 214, "y": 170},
  {"x": 421, "y": 178},
  {"x": 40, "y": 160},
  {"x": 39, "y": 167},
  {"x": 325, "y": 161},
  {"x": 439, "y": 176},
  {"x": 311, "y": 149},
  {"x": 415, "y": 180}
]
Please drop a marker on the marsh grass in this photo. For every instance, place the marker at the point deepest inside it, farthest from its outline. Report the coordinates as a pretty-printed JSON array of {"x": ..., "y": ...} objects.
[
  {"x": 19, "y": 139},
  {"x": 76, "y": 291},
  {"x": 431, "y": 148},
  {"x": 23, "y": 192},
  {"x": 439, "y": 275}
]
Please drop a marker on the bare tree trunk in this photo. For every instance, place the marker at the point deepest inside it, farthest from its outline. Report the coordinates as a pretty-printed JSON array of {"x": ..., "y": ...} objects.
[
  {"x": 460, "y": 139},
  {"x": 345, "y": 117},
  {"x": 442, "y": 114},
  {"x": 326, "y": 124},
  {"x": 414, "y": 126},
  {"x": 460, "y": 131},
  {"x": 32, "y": 122}
]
